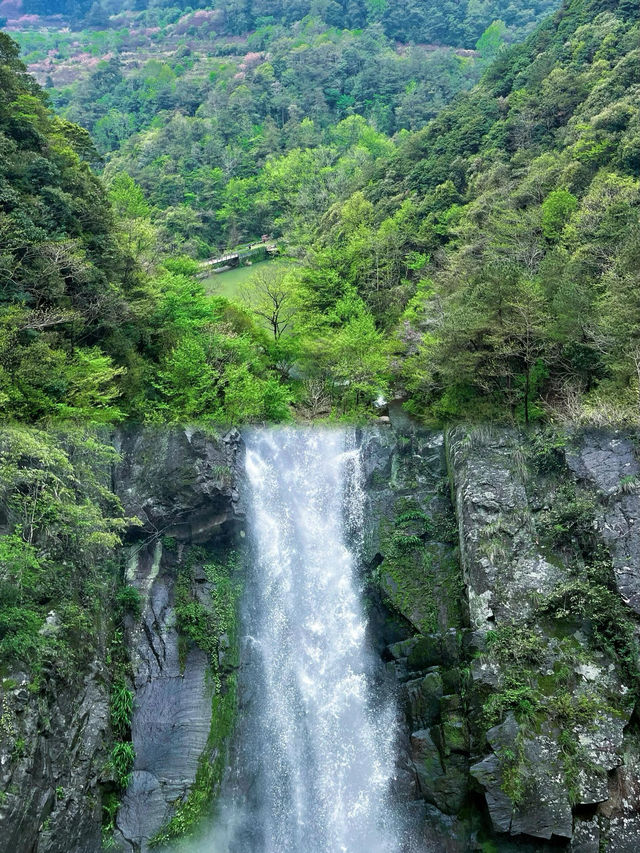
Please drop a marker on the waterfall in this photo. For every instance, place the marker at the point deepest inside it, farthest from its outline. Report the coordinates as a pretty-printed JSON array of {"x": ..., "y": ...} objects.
[{"x": 318, "y": 738}]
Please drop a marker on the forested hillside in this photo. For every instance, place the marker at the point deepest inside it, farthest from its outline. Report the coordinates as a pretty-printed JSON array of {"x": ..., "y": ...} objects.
[
  {"x": 211, "y": 147},
  {"x": 84, "y": 323},
  {"x": 191, "y": 102},
  {"x": 483, "y": 266},
  {"x": 527, "y": 198},
  {"x": 448, "y": 22},
  {"x": 67, "y": 285}
]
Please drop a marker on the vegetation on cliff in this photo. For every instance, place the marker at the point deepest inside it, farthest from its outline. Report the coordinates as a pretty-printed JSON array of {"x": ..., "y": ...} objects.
[
  {"x": 62, "y": 524},
  {"x": 62, "y": 599}
]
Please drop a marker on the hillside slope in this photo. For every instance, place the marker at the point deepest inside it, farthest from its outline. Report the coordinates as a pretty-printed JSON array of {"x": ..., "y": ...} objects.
[
  {"x": 67, "y": 285},
  {"x": 527, "y": 196},
  {"x": 448, "y": 22},
  {"x": 92, "y": 327},
  {"x": 521, "y": 200}
]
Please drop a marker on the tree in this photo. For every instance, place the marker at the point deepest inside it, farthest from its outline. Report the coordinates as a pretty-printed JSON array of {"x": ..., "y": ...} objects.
[
  {"x": 617, "y": 331},
  {"x": 138, "y": 235},
  {"x": 491, "y": 40},
  {"x": 97, "y": 18},
  {"x": 270, "y": 294},
  {"x": 349, "y": 356},
  {"x": 556, "y": 210},
  {"x": 525, "y": 337}
]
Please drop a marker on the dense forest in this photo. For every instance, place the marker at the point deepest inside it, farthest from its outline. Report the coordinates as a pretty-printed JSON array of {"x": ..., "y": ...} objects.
[
  {"x": 187, "y": 110},
  {"x": 476, "y": 260},
  {"x": 447, "y": 22}
]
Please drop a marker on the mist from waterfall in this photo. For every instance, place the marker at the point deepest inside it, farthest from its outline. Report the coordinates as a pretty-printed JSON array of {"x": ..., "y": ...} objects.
[{"x": 316, "y": 743}]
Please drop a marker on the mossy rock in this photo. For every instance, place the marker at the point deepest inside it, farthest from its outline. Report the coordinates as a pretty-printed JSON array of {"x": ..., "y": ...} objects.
[
  {"x": 425, "y": 652},
  {"x": 423, "y": 699},
  {"x": 444, "y": 783},
  {"x": 455, "y": 733}
]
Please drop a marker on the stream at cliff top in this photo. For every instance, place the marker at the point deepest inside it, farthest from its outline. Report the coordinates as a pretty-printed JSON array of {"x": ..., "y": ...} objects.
[{"x": 316, "y": 748}]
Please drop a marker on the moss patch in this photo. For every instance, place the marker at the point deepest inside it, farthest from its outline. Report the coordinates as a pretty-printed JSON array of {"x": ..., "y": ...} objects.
[{"x": 420, "y": 575}]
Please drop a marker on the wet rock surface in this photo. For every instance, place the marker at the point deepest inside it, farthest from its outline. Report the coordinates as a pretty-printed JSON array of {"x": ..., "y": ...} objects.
[
  {"x": 410, "y": 547},
  {"x": 180, "y": 484},
  {"x": 446, "y": 595},
  {"x": 183, "y": 485}
]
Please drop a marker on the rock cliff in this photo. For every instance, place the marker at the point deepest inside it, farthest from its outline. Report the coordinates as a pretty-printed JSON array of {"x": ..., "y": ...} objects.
[
  {"x": 518, "y": 655},
  {"x": 503, "y": 587},
  {"x": 179, "y": 488},
  {"x": 183, "y": 487}
]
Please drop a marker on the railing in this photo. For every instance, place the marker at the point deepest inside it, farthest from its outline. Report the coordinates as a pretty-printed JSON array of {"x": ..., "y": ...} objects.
[
  {"x": 244, "y": 253},
  {"x": 222, "y": 259}
]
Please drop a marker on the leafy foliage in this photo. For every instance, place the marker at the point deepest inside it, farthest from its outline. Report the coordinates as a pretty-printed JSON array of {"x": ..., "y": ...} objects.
[
  {"x": 483, "y": 266},
  {"x": 122, "y": 699},
  {"x": 65, "y": 524},
  {"x": 121, "y": 759},
  {"x": 533, "y": 272},
  {"x": 67, "y": 291}
]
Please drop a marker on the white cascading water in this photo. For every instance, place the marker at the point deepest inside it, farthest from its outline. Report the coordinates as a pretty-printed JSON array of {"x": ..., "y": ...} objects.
[{"x": 317, "y": 745}]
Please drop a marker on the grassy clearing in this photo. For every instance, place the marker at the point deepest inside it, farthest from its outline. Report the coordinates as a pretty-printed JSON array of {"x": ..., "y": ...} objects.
[{"x": 229, "y": 283}]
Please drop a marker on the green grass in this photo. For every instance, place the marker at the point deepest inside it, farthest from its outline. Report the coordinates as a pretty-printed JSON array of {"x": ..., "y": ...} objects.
[{"x": 229, "y": 283}]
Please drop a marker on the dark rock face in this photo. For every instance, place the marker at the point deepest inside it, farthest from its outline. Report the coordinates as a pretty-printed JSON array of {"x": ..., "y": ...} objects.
[
  {"x": 56, "y": 802},
  {"x": 170, "y": 725},
  {"x": 545, "y": 810},
  {"x": 185, "y": 486},
  {"x": 607, "y": 462},
  {"x": 503, "y": 569},
  {"x": 410, "y": 547},
  {"x": 561, "y": 779},
  {"x": 179, "y": 484},
  {"x": 440, "y": 589}
]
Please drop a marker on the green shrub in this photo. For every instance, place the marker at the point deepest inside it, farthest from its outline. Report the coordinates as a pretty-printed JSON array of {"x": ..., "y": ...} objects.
[
  {"x": 121, "y": 709},
  {"x": 130, "y": 600},
  {"x": 546, "y": 450},
  {"x": 569, "y": 524},
  {"x": 110, "y": 806},
  {"x": 515, "y": 645},
  {"x": 122, "y": 759},
  {"x": 20, "y": 641},
  {"x": 606, "y": 617},
  {"x": 518, "y": 695}
]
